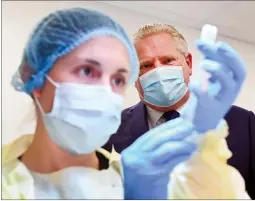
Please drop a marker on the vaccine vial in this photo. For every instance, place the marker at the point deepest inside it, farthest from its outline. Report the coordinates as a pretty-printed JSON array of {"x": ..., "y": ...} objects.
[{"x": 208, "y": 36}]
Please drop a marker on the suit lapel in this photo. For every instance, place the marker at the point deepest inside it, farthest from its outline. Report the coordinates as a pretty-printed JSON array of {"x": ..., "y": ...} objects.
[
  {"x": 134, "y": 124},
  {"x": 138, "y": 120}
]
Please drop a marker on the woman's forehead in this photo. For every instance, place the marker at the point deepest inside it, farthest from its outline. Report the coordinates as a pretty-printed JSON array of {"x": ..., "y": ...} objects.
[
  {"x": 104, "y": 49},
  {"x": 107, "y": 53}
]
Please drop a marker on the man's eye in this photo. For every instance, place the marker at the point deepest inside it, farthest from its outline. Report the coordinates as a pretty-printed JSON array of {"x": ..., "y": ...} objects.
[
  {"x": 146, "y": 66},
  {"x": 167, "y": 61}
]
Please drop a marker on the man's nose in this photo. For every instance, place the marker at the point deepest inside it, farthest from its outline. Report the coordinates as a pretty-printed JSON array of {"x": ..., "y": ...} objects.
[{"x": 157, "y": 63}]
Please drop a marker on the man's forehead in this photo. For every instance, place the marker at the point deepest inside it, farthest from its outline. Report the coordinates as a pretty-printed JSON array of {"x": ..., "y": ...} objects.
[{"x": 149, "y": 54}]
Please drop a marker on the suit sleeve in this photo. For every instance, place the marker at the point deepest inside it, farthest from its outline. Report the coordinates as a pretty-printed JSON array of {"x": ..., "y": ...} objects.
[{"x": 251, "y": 183}]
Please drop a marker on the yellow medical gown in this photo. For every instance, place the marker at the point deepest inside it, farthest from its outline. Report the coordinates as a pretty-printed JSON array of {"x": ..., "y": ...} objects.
[
  {"x": 206, "y": 175},
  {"x": 18, "y": 182}
]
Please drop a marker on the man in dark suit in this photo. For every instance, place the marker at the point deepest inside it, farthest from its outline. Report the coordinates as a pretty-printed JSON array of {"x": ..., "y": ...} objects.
[{"x": 160, "y": 45}]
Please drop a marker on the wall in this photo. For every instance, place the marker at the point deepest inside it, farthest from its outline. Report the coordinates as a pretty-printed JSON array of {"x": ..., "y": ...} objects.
[{"x": 18, "y": 20}]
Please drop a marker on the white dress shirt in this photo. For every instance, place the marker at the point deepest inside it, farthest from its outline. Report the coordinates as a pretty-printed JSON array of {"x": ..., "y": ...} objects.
[{"x": 156, "y": 118}]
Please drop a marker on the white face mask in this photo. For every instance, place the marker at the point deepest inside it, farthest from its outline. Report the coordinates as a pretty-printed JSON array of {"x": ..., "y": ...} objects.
[{"x": 83, "y": 116}]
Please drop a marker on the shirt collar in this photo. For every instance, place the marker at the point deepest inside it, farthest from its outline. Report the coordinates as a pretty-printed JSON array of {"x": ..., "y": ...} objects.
[{"x": 154, "y": 115}]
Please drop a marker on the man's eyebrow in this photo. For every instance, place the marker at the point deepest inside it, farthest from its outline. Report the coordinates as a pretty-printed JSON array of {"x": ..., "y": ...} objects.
[
  {"x": 94, "y": 62},
  {"x": 145, "y": 61}
]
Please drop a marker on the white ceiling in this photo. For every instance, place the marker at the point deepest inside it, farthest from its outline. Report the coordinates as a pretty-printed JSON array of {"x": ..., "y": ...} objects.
[{"x": 235, "y": 19}]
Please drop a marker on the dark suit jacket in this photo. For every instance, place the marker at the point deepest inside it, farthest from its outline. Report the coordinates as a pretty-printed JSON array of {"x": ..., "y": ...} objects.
[{"x": 241, "y": 138}]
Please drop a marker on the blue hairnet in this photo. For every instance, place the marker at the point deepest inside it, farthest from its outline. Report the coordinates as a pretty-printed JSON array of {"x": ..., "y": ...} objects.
[{"x": 57, "y": 35}]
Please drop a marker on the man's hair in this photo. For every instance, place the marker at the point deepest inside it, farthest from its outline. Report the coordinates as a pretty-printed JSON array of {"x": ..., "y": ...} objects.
[{"x": 150, "y": 29}]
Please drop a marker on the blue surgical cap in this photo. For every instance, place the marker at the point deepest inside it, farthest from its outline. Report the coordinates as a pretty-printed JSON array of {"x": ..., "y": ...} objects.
[{"x": 57, "y": 35}]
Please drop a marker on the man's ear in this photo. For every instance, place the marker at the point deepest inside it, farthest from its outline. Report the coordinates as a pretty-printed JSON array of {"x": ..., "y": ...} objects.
[
  {"x": 188, "y": 59},
  {"x": 136, "y": 84}
]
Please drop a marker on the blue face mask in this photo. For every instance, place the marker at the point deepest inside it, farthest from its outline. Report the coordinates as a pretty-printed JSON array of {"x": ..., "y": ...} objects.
[
  {"x": 83, "y": 117},
  {"x": 163, "y": 86}
]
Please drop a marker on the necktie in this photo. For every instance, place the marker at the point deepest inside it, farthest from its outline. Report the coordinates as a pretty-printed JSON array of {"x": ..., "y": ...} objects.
[{"x": 171, "y": 115}]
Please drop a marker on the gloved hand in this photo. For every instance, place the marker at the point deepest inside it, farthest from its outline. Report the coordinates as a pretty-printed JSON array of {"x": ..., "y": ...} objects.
[
  {"x": 148, "y": 162},
  {"x": 227, "y": 69}
]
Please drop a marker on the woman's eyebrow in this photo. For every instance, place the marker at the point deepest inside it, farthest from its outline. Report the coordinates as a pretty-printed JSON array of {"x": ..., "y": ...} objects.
[
  {"x": 98, "y": 64},
  {"x": 122, "y": 70},
  {"x": 94, "y": 62}
]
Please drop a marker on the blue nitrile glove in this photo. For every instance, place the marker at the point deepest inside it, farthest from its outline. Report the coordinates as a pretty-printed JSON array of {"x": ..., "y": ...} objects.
[
  {"x": 148, "y": 162},
  {"x": 227, "y": 70}
]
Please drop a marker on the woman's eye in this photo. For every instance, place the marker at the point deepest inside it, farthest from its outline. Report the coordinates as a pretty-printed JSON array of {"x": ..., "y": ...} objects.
[
  {"x": 86, "y": 71},
  {"x": 118, "y": 81}
]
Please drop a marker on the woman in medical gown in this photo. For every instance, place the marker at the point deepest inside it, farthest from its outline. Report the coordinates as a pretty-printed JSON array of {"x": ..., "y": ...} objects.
[{"x": 76, "y": 67}]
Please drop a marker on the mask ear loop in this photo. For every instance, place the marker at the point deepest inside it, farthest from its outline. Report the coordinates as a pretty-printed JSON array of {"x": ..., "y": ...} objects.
[
  {"x": 37, "y": 101},
  {"x": 39, "y": 106},
  {"x": 55, "y": 84}
]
